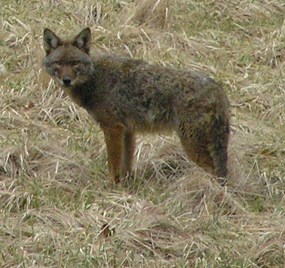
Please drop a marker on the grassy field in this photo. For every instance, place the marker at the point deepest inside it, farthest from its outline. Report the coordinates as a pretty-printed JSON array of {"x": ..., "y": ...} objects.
[{"x": 58, "y": 207}]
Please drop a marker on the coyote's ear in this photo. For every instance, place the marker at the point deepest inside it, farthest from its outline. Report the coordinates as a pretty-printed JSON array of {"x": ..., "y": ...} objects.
[
  {"x": 51, "y": 41},
  {"x": 83, "y": 40}
]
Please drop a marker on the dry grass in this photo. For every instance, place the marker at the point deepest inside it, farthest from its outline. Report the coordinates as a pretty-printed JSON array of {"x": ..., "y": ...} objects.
[{"x": 58, "y": 208}]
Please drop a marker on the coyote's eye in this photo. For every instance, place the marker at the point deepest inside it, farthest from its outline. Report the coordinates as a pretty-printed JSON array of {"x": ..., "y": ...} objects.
[
  {"x": 56, "y": 67},
  {"x": 74, "y": 63},
  {"x": 57, "y": 63},
  {"x": 76, "y": 66}
]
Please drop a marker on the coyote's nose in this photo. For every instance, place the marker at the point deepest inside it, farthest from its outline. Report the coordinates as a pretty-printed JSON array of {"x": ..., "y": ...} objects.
[{"x": 66, "y": 81}]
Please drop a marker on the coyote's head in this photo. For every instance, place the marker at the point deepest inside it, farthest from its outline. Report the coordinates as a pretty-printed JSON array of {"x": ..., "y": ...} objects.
[{"x": 68, "y": 62}]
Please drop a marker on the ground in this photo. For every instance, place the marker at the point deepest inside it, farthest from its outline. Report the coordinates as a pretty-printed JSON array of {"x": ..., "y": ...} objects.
[{"x": 58, "y": 207}]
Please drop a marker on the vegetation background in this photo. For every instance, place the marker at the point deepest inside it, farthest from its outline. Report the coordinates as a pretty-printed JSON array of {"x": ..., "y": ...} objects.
[{"x": 58, "y": 208}]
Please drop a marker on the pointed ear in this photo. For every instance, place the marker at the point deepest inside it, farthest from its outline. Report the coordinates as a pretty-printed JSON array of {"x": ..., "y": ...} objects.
[
  {"x": 83, "y": 40},
  {"x": 51, "y": 41}
]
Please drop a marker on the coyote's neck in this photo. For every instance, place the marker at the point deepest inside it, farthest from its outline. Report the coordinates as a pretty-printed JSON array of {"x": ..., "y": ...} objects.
[{"x": 83, "y": 94}]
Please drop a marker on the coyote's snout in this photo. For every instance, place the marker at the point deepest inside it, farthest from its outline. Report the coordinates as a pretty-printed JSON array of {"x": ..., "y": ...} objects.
[{"x": 126, "y": 96}]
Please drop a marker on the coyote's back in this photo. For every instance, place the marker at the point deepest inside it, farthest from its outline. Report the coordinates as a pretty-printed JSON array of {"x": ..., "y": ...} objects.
[{"x": 126, "y": 96}]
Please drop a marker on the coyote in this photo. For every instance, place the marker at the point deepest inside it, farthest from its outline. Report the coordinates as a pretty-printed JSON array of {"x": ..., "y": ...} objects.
[{"x": 126, "y": 96}]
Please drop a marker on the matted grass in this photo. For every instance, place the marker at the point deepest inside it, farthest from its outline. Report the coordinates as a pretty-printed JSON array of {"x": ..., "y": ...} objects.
[{"x": 58, "y": 208}]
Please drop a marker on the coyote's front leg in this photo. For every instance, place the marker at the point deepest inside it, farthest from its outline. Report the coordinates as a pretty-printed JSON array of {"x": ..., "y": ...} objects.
[
  {"x": 114, "y": 138},
  {"x": 129, "y": 150}
]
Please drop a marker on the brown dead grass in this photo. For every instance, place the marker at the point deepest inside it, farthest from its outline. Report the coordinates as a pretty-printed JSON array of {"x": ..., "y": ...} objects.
[{"x": 58, "y": 208}]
